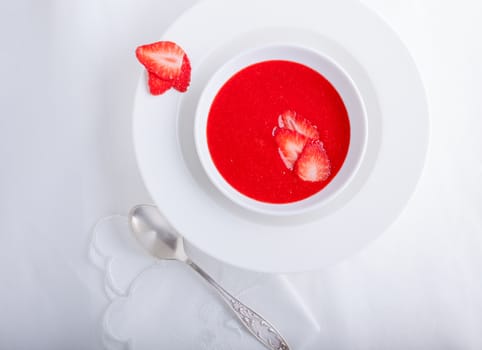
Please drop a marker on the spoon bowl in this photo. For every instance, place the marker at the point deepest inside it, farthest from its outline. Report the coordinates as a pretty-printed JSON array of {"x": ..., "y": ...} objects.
[{"x": 155, "y": 234}]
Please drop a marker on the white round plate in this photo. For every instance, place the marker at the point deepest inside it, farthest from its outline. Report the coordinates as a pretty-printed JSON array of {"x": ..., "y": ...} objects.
[{"x": 214, "y": 31}]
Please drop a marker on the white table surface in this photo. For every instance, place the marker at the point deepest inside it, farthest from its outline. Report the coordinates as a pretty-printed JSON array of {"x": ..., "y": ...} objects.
[{"x": 68, "y": 76}]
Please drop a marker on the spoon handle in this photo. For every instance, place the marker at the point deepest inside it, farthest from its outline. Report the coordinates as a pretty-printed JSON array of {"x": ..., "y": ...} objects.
[{"x": 257, "y": 325}]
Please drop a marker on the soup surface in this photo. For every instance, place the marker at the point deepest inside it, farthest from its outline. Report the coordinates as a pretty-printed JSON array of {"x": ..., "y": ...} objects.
[{"x": 244, "y": 119}]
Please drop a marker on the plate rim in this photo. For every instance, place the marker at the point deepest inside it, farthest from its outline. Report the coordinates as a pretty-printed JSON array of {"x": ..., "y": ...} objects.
[{"x": 272, "y": 263}]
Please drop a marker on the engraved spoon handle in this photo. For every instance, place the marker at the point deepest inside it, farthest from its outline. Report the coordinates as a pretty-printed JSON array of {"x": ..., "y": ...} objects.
[{"x": 257, "y": 325}]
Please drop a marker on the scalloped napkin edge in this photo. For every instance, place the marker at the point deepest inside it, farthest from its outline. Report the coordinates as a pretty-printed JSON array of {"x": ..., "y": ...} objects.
[{"x": 125, "y": 265}]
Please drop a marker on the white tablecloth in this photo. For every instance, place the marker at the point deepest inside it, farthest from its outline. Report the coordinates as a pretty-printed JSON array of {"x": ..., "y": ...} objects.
[{"x": 68, "y": 76}]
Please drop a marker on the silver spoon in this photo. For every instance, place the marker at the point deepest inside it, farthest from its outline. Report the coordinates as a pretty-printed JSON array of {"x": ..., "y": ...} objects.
[{"x": 154, "y": 233}]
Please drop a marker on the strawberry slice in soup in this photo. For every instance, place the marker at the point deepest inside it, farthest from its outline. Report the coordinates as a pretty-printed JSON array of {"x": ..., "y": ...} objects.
[
  {"x": 290, "y": 145},
  {"x": 293, "y": 121},
  {"x": 313, "y": 164}
]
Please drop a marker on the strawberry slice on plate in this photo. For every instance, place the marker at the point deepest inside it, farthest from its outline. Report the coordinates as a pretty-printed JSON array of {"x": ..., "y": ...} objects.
[
  {"x": 290, "y": 145},
  {"x": 167, "y": 64},
  {"x": 163, "y": 58},
  {"x": 181, "y": 83},
  {"x": 157, "y": 85},
  {"x": 294, "y": 121},
  {"x": 313, "y": 164}
]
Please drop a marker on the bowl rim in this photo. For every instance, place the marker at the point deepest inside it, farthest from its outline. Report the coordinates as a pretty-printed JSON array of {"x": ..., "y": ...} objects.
[{"x": 305, "y": 56}]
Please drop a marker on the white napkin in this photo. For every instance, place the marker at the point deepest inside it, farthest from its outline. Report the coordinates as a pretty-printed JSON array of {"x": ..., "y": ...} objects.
[{"x": 166, "y": 305}]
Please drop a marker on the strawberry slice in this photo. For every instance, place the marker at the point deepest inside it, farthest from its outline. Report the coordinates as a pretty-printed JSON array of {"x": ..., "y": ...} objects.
[
  {"x": 184, "y": 78},
  {"x": 157, "y": 85},
  {"x": 294, "y": 121},
  {"x": 163, "y": 58},
  {"x": 313, "y": 164},
  {"x": 290, "y": 145}
]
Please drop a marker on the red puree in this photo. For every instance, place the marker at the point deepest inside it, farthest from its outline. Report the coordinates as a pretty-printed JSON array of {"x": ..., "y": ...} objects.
[{"x": 241, "y": 122}]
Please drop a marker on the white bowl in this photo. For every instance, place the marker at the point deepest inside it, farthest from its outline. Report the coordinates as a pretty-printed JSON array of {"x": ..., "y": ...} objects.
[{"x": 335, "y": 75}]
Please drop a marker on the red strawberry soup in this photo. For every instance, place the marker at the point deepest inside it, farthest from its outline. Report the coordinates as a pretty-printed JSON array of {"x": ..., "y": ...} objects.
[{"x": 278, "y": 131}]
